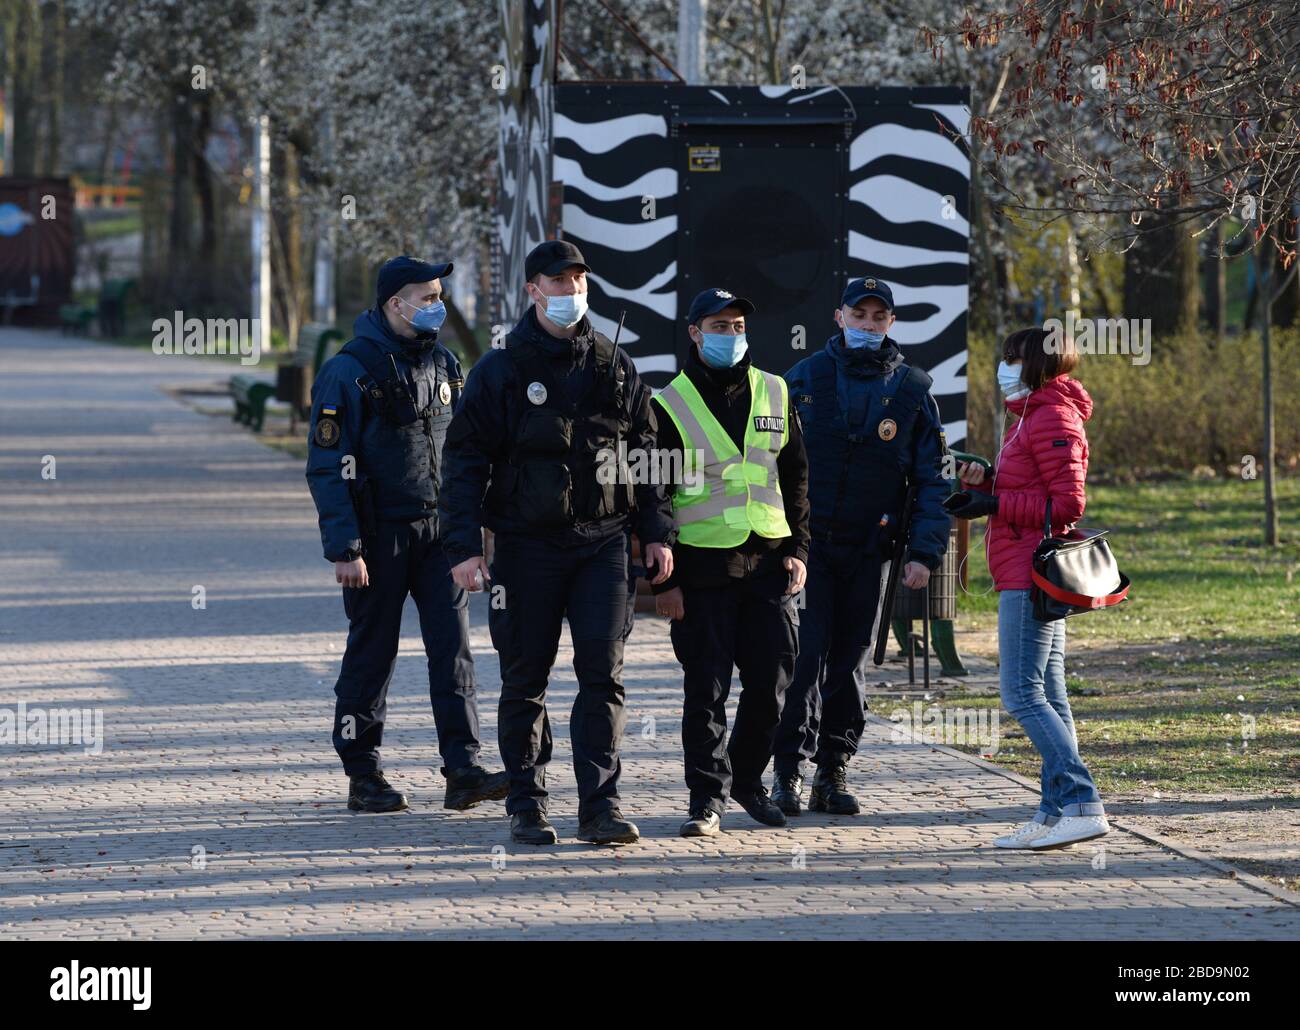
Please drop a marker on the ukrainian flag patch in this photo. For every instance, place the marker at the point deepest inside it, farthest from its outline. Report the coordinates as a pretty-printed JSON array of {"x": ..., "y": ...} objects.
[{"x": 328, "y": 411}]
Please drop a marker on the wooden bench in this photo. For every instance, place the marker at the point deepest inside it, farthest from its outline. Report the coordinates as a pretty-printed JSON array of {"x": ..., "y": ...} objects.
[{"x": 250, "y": 395}]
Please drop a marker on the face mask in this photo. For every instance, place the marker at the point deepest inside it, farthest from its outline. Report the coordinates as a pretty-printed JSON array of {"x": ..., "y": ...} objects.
[
  {"x": 1009, "y": 381},
  {"x": 567, "y": 309},
  {"x": 855, "y": 338},
  {"x": 427, "y": 320},
  {"x": 722, "y": 350}
]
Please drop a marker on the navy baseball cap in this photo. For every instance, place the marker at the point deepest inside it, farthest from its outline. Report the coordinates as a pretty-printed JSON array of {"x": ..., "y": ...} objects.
[
  {"x": 402, "y": 271},
  {"x": 860, "y": 289},
  {"x": 713, "y": 300},
  {"x": 553, "y": 257}
]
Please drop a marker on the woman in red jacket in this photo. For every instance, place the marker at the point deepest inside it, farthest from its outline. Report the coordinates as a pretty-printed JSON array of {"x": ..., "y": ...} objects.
[{"x": 1044, "y": 455}]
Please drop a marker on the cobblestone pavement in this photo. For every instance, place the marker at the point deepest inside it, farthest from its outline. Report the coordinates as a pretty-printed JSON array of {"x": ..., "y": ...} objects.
[{"x": 216, "y": 806}]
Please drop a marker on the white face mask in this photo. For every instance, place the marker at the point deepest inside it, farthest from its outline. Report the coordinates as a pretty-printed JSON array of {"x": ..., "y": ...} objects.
[{"x": 1009, "y": 382}]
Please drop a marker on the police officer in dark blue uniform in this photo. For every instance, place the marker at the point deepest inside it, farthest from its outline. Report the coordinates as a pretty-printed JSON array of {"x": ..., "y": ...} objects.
[
  {"x": 380, "y": 411},
  {"x": 537, "y": 453},
  {"x": 869, "y": 426}
]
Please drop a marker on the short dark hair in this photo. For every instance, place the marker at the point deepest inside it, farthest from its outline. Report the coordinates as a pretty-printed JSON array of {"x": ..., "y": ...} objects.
[{"x": 1042, "y": 363}]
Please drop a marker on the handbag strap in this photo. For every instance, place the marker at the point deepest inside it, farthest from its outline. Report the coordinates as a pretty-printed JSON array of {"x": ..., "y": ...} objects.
[
  {"x": 1079, "y": 600},
  {"x": 1047, "y": 520}
]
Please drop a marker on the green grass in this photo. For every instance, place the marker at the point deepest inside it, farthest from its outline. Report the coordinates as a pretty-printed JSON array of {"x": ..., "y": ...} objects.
[
  {"x": 1163, "y": 686},
  {"x": 114, "y": 225}
]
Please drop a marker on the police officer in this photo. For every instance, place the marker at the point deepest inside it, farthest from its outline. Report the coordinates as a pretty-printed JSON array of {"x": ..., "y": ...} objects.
[
  {"x": 537, "y": 453},
  {"x": 380, "y": 411},
  {"x": 870, "y": 425},
  {"x": 741, "y": 511}
]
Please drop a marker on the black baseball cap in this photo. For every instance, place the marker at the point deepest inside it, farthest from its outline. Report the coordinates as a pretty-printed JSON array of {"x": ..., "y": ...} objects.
[
  {"x": 553, "y": 257},
  {"x": 860, "y": 289},
  {"x": 713, "y": 300},
  {"x": 402, "y": 271}
]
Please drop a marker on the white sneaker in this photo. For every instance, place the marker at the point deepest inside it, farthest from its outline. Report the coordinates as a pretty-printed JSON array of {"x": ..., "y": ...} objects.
[
  {"x": 1022, "y": 835},
  {"x": 1070, "y": 830}
]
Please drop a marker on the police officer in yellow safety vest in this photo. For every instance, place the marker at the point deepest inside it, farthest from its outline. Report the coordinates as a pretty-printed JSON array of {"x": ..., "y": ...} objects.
[{"x": 740, "y": 506}]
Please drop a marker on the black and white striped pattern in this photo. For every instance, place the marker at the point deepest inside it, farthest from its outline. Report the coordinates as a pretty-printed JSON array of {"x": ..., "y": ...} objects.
[{"x": 613, "y": 145}]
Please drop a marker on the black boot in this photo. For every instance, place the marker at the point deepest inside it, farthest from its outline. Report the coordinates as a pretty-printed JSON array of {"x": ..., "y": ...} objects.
[
  {"x": 830, "y": 790},
  {"x": 787, "y": 788},
  {"x": 531, "y": 827},
  {"x": 608, "y": 827},
  {"x": 702, "y": 822},
  {"x": 370, "y": 792},
  {"x": 759, "y": 806},
  {"x": 468, "y": 786}
]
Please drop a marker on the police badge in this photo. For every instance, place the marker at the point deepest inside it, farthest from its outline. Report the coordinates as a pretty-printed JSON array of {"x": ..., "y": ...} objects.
[
  {"x": 444, "y": 392},
  {"x": 537, "y": 393},
  {"x": 888, "y": 429}
]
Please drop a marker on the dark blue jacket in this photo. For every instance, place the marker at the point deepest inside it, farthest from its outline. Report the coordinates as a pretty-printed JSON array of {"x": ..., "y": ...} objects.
[
  {"x": 396, "y": 466},
  {"x": 487, "y": 422},
  {"x": 870, "y": 424}
]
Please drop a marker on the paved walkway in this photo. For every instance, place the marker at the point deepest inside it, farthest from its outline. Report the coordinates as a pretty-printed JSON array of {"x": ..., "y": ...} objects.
[{"x": 216, "y": 806}]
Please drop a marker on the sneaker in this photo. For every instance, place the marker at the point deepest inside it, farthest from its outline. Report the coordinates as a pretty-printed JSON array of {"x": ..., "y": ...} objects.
[
  {"x": 1021, "y": 836},
  {"x": 1071, "y": 830}
]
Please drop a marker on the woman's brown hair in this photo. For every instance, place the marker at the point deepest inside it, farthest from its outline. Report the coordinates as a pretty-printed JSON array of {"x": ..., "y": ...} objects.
[{"x": 1046, "y": 354}]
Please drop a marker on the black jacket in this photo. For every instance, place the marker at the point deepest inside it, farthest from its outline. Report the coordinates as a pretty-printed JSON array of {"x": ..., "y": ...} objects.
[
  {"x": 486, "y": 424},
  {"x": 726, "y": 392}
]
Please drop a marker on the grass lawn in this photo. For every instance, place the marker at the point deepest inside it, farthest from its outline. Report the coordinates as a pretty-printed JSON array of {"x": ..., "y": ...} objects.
[{"x": 1193, "y": 686}]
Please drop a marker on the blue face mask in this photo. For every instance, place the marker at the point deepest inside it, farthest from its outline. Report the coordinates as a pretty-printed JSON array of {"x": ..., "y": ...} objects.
[
  {"x": 1009, "y": 382},
  {"x": 722, "y": 350},
  {"x": 567, "y": 309},
  {"x": 428, "y": 319},
  {"x": 855, "y": 338}
]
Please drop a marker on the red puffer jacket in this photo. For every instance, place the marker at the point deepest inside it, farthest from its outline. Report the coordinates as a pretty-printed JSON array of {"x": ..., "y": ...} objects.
[{"x": 1045, "y": 454}]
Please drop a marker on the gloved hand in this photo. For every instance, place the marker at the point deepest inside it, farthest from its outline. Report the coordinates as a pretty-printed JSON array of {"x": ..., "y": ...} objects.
[{"x": 971, "y": 504}]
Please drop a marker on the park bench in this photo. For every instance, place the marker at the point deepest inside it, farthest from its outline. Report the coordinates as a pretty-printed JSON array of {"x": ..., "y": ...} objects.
[
  {"x": 317, "y": 343},
  {"x": 250, "y": 395},
  {"x": 110, "y": 310}
]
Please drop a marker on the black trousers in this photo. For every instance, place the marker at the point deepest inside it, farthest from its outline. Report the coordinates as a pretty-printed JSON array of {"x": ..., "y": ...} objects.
[
  {"x": 825, "y": 707},
  {"x": 405, "y": 558},
  {"x": 535, "y": 586},
  {"x": 749, "y": 624}
]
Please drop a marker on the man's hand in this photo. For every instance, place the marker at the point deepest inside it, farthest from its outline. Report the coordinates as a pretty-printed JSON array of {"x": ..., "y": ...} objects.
[
  {"x": 352, "y": 573},
  {"x": 915, "y": 575},
  {"x": 671, "y": 603},
  {"x": 798, "y": 573},
  {"x": 660, "y": 557},
  {"x": 971, "y": 473},
  {"x": 466, "y": 574}
]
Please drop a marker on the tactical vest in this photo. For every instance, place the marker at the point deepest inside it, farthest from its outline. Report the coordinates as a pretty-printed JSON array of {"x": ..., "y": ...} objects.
[
  {"x": 734, "y": 494},
  {"x": 402, "y": 435},
  {"x": 568, "y": 461},
  {"x": 855, "y": 477}
]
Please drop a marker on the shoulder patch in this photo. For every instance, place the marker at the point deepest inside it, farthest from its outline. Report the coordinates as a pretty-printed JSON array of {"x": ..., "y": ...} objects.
[{"x": 327, "y": 432}]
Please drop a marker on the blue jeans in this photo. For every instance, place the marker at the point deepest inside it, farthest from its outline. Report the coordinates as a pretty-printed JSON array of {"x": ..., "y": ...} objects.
[{"x": 1032, "y": 674}]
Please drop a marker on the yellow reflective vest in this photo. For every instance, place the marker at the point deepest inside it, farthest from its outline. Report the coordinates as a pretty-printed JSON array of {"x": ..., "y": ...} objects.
[{"x": 726, "y": 495}]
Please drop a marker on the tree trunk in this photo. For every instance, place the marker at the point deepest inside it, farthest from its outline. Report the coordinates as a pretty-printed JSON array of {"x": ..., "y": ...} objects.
[
  {"x": 1161, "y": 277},
  {"x": 179, "y": 239},
  {"x": 1216, "y": 286},
  {"x": 458, "y": 325},
  {"x": 1286, "y": 307},
  {"x": 203, "y": 185}
]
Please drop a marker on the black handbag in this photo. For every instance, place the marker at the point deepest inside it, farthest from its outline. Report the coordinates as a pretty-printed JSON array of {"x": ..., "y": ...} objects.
[{"x": 1074, "y": 573}]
